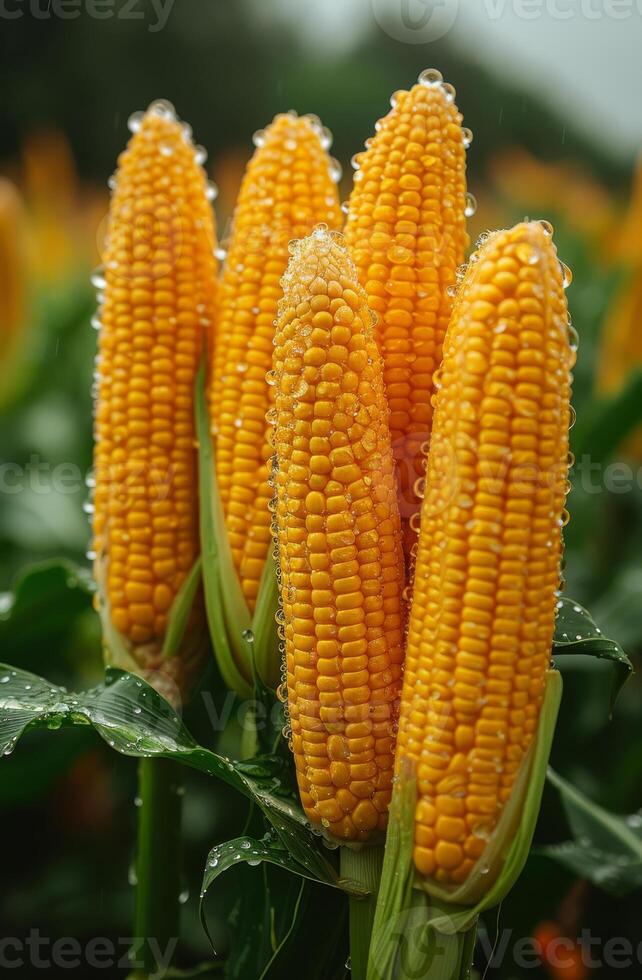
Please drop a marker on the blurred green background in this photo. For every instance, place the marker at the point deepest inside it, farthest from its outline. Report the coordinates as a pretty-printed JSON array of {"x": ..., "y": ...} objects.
[{"x": 551, "y": 104}]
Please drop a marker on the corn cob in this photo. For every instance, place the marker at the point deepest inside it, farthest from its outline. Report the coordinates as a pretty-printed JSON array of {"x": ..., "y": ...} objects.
[
  {"x": 521, "y": 181},
  {"x": 621, "y": 350},
  {"x": 287, "y": 189},
  {"x": 406, "y": 230},
  {"x": 52, "y": 190},
  {"x": 487, "y": 568},
  {"x": 159, "y": 284},
  {"x": 621, "y": 347},
  {"x": 621, "y": 340},
  {"x": 628, "y": 247},
  {"x": 338, "y": 540},
  {"x": 12, "y": 269}
]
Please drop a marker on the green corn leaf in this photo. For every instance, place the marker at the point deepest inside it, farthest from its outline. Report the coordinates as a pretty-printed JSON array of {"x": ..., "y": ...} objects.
[
  {"x": 266, "y": 644},
  {"x": 317, "y": 913},
  {"x": 43, "y": 601},
  {"x": 135, "y": 720},
  {"x": 607, "y": 847},
  {"x": 268, "y": 971},
  {"x": 180, "y": 611},
  {"x": 274, "y": 905},
  {"x": 268, "y": 849},
  {"x": 577, "y": 634},
  {"x": 227, "y": 611}
]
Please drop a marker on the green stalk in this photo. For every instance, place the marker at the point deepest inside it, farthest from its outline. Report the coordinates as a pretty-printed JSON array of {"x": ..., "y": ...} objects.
[
  {"x": 362, "y": 864},
  {"x": 431, "y": 955},
  {"x": 249, "y": 736},
  {"x": 157, "y": 866}
]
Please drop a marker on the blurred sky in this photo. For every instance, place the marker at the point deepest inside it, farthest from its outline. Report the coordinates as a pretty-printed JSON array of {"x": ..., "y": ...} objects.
[{"x": 585, "y": 56}]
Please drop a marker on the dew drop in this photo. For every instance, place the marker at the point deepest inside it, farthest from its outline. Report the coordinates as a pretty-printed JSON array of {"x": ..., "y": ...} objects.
[
  {"x": 326, "y": 138},
  {"x": 449, "y": 91},
  {"x": 471, "y": 205},
  {"x": 134, "y": 121},
  {"x": 300, "y": 388},
  {"x": 482, "y": 830},
  {"x": 98, "y": 278},
  {"x": 430, "y": 77},
  {"x": 336, "y": 171},
  {"x": 162, "y": 108}
]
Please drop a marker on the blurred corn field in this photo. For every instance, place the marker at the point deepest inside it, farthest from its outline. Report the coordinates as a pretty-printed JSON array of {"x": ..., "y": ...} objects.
[{"x": 68, "y": 799}]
